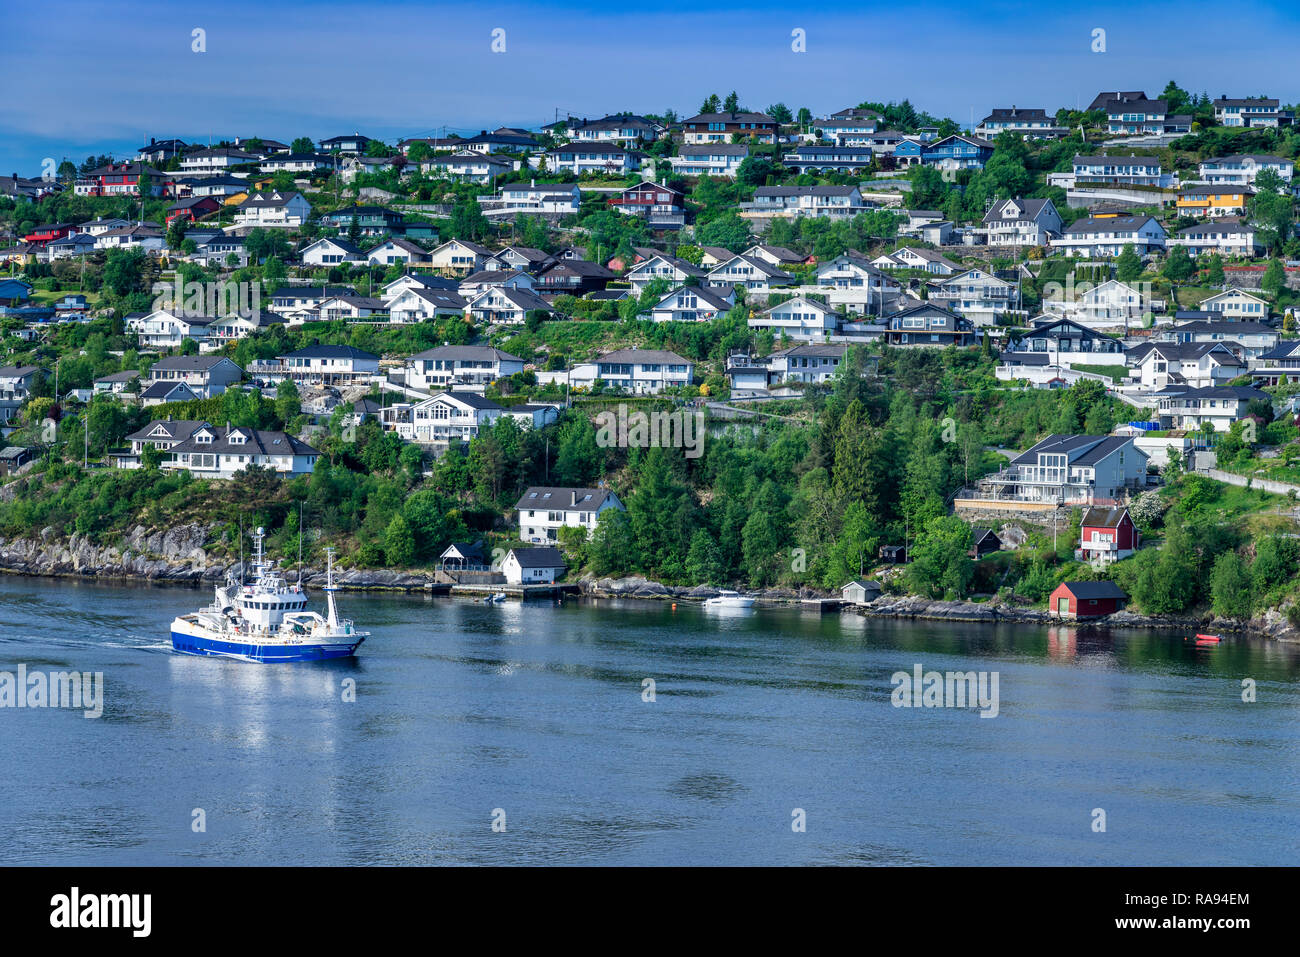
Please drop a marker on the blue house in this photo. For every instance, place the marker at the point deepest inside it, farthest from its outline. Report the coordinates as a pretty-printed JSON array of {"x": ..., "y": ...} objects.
[
  {"x": 951, "y": 152},
  {"x": 14, "y": 291}
]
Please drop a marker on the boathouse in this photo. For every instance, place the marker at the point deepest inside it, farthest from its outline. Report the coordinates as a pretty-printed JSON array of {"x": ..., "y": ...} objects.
[{"x": 1086, "y": 600}]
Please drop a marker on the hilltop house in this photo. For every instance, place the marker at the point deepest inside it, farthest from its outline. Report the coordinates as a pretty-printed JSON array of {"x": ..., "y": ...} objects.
[
  {"x": 1021, "y": 222},
  {"x": 273, "y": 210},
  {"x": 607, "y": 158},
  {"x": 221, "y": 453},
  {"x": 1235, "y": 304},
  {"x": 330, "y": 365},
  {"x": 1106, "y": 535},
  {"x": 459, "y": 257},
  {"x": 791, "y": 201},
  {"x": 1030, "y": 123},
  {"x": 709, "y": 128},
  {"x": 714, "y": 159},
  {"x": 928, "y": 324},
  {"x": 977, "y": 295},
  {"x": 441, "y": 418},
  {"x": 1227, "y": 236},
  {"x": 331, "y": 252},
  {"x": 1157, "y": 365},
  {"x": 755, "y": 275},
  {"x": 692, "y": 304},
  {"x": 207, "y": 376},
  {"x": 636, "y": 371},
  {"x": 415, "y": 304},
  {"x": 662, "y": 266},
  {"x": 1111, "y": 303},
  {"x": 1070, "y": 470},
  {"x": 506, "y": 305},
  {"x": 459, "y": 367},
  {"x": 798, "y": 318},
  {"x": 856, "y": 285},
  {"x": 1064, "y": 342},
  {"x": 1204, "y": 201},
  {"x": 397, "y": 251},
  {"x": 1242, "y": 170},
  {"x": 544, "y": 510},
  {"x": 1106, "y": 236},
  {"x": 1251, "y": 111},
  {"x": 1219, "y": 406},
  {"x": 915, "y": 257}
]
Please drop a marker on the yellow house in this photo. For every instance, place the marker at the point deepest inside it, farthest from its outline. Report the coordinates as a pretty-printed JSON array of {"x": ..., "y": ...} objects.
[
  {"x": 235, "y": 199},
  {"x": 1206, "y": 202}
]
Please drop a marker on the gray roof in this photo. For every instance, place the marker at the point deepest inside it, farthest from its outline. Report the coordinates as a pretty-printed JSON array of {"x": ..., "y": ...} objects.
[
  {"x": 190, "y": 363},
  {"x": 1094, "y": 590},
  {"x": 560, "y": 498},
  {"x": 258, "y": 442},
  {"x": 466, "y": 352},
  {"x": 637, "y": 356},
  {"x": 539, "y": 557}
]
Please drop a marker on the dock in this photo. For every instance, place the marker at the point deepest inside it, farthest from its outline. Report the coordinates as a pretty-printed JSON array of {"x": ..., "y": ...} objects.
[
  {"x": 822, "y": 605},
  {"x": 523, "y": 592}
]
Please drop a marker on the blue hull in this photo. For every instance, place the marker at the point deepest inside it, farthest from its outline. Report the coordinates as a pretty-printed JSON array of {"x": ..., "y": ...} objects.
[{"x": 215, "y": 648}]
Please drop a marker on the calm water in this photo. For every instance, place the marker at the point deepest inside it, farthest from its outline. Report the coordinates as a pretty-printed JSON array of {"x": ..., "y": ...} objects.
[{"x": 463, "y": 708}]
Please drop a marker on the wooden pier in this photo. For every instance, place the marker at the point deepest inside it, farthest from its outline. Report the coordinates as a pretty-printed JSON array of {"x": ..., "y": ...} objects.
[{"x": 523, "y": 592}]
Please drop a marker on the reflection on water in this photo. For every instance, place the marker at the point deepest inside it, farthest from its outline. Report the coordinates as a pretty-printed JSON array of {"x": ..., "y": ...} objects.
[{"x": 461, "y": 708}]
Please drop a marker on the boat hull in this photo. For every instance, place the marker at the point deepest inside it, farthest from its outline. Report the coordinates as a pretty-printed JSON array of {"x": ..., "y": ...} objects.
[{"x": 197, "y": 643}]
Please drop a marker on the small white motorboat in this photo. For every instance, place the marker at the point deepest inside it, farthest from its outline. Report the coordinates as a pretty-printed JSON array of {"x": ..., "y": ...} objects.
[{"x": 729, "y": 599}]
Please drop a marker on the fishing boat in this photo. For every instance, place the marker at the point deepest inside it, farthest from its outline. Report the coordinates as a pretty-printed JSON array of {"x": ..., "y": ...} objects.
[
  {"x": 267, "y": 620},
  {"x": 729, "y": 599}
]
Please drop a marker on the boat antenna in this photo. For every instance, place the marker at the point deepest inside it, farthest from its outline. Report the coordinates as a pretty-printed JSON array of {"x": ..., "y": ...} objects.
[
  {"x": 241, "y": 552},
  {"x": 300, "y": 544}
]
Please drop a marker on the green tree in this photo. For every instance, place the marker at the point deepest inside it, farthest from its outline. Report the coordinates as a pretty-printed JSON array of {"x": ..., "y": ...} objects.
[
  {"x": 1230, "y": 587},
  {"x": 1274, "y": 280},
  {"x": 1128, "y": 266},
  {"x": 1178, "y": 267},
  {"x": 399, "y": 543},
  {"x": 704, "y": 561}
]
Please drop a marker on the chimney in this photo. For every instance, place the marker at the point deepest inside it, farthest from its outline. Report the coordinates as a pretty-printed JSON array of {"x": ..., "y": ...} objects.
[{"x": 573, "y": 497}]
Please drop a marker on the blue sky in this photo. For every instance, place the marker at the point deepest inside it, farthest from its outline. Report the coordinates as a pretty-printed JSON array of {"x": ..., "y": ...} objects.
[{"x": 85, "y": 77}]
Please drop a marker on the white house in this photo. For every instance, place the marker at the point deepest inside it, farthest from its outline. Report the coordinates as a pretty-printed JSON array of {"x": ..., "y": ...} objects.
[
  {"x": 1065, "y": 343},
  {"x": 397, "y": 251},
  {"x": 459, "y": 367},
  {"x": 469, "y": 166},
  {"x": 330, "y": 365},
  {"x": 712, "y": 159},
  {"x": 441, "y": 418},
  {"x": 554, "y": 200},
  {"x": 798, "y": 318},
  {"x": 977, "y": 295},
  {"x": 273, "y": 210},
  {"x": 607, "y": 158},
  {"x": 792, "y": 201},
  {"x": 856, "y": 285},
  {"x": 420, "y": 303},
  {"x": 331, "y": 252},
  {"x": 1197, "y": 365},
  {"x": 459, "y": 256},
  {"x": 675, "y": 271},
  {"x": 164, "y": 329},
  {"x": 1021, "y": 222},
  {"x": 1106, "y": 236},
  {"x": 1235, "y": 304},
  {"x": 637, "y": 371},
  {"x": 223, "y": 452},
  {"x": 533, "y": 566},
  {"x": 1242, "y": 170},
  {"x": 755, "y": 275},
  {"x": 544, "y": 510},
  {"x": 1219, "y": 406},
  {"x": 1111, "y": 303},
  {"x": 692, "y": 304},
  {"x": 916, "y": 257},
  {"x": 1226, "y": 236},
  {"x": 506, "y": 305}
]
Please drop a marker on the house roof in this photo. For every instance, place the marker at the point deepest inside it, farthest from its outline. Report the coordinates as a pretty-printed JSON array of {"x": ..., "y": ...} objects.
[
  {"x": 538, "y": 557},
  {"x": 330, "y": 352},
  {"x": 478, "y": 353},
  {"x": 1103, "y": 517},
  {"x": 1094, "y": 590},
  {"x": 165, "y": 387},
  {"x": 191, "y": 363},
  {"x": 641, "y": 356},
  {"x": 564, "y": 499},
  {"x": 258, "y": 442}
]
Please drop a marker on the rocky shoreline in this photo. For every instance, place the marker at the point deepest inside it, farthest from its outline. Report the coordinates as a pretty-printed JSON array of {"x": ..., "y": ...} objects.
[{"x": 176, "y": 556}]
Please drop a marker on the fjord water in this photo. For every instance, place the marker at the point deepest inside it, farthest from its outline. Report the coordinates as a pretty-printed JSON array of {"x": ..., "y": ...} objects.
[{"x": 464, "y": 710}]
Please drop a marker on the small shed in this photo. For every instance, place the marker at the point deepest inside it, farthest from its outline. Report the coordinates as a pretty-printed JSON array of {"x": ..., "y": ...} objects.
[
  {"x": 893, "y": 554},
  {"x": 984, "y": 540},
  {"x": 860, "y": 591},
  {"x": 14, "y": 457},
  {"x": 1086, "y": 600}
]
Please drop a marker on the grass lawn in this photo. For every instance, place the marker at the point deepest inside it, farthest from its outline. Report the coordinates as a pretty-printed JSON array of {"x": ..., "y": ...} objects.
[{"x": 1117, "y": 373}]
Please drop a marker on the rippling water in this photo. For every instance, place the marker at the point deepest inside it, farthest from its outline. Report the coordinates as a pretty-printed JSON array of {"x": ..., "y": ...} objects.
[{"x": 465, "y": 710}]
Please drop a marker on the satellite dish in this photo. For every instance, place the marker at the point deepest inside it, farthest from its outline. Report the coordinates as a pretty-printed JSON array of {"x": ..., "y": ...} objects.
[{"x": 260, "y": 530}]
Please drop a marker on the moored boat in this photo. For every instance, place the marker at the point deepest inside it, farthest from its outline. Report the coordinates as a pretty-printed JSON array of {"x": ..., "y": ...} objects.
[{"x": 729, "y": 599}]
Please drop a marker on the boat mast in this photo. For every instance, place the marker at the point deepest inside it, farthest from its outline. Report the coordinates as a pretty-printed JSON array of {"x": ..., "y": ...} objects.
[
  {"x": 332, "y": 611},
  {"x": 300, "y": 544}
]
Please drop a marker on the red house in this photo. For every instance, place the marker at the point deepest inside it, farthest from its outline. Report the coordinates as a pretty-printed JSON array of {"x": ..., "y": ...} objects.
[
  {"x": 193, "y": 209},
  {"x": 1106, "y": 535},
  {"x": 49, "y": 233},
  {"x": 1086, "y": 600}
]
